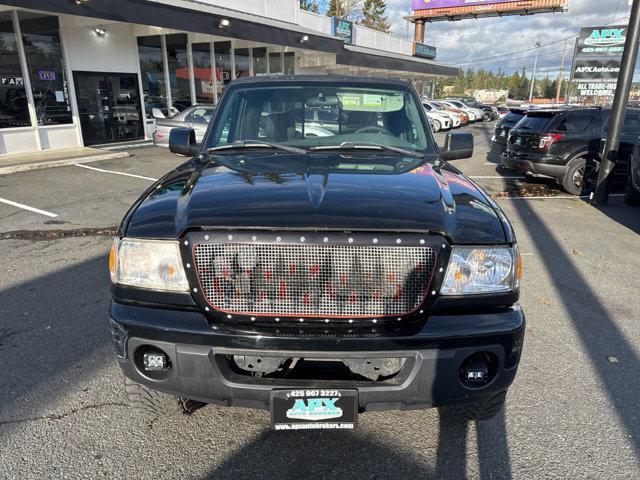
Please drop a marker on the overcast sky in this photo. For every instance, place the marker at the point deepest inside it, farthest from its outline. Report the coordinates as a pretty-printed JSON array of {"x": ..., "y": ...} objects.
[{"x": 480, "y": 42}]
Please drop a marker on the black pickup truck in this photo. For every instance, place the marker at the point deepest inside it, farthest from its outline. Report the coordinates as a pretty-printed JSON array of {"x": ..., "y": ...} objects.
[{"x": 317, "y": 277}]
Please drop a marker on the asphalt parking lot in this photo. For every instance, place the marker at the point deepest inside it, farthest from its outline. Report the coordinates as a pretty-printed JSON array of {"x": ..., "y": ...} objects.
[{"x": 573, "y": 411}]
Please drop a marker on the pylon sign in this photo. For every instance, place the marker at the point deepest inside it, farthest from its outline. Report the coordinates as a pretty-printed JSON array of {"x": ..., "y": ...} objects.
[{"x": 597, "y": 60}]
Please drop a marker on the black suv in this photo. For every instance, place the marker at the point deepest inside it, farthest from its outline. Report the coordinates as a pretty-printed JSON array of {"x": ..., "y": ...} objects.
[
  {"x": 565, "y": 144},
  {"x": 317, "y": 276},
  {"x": 503, "y": 127}
]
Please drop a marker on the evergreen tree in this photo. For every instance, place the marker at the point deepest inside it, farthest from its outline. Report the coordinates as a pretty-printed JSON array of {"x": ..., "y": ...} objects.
[
  {"x": 310, "y": 5},
  {"x": 373, "y": 15},
  {"x": 347, "y": 9}
]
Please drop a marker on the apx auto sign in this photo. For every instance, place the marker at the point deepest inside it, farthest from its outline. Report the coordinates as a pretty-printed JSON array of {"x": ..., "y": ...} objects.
[
  {"x": 602, "y": 41},
  {"x": 596, "y": 69}
]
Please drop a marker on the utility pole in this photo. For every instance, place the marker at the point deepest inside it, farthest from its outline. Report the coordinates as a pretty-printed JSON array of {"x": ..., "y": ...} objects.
[
  {"x": 570, "y": 84},
  {"x": 560, "y": 77},
  {"x": 619, "y": 109},
  {"x": 533, "y": 76}
]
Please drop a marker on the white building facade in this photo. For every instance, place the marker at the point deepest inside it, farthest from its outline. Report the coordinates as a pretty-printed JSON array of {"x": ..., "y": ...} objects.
[{"x": 93, "y": 72}]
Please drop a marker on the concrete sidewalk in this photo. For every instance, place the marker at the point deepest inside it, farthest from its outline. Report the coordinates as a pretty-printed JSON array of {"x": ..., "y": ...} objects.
[{"x": 54, "y": 158}]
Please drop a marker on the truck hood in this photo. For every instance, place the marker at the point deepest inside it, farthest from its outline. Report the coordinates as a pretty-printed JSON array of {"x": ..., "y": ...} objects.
[{"x": 328, "y": 191}]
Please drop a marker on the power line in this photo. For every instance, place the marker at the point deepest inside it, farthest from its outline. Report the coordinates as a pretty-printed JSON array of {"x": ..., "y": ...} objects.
[{"x": 493, "y": 57}]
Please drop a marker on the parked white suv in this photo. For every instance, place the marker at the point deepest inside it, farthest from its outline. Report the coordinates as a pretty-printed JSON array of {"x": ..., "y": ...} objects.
[
  {"x": 473, "y": 112},
  {"x": 438, "y": 121},
  {"x": 430, "y": 108}
]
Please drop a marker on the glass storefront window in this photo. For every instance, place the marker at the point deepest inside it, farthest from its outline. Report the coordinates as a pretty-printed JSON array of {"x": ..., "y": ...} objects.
[
  {"x": 152, "y": 70},
  {"x": 260, "y": 61},
  {"x": 203, "y": 72},
  {"x": 222, "y": 52},
  {"x": 289, "y": 63},
  {"x": 41, "y": 40},
  {"x": 275, "y": 63},
  {"x": 178, "y": 65},
  {"x": 14, "y": 111},
  {"x": 243, "y": 64}
]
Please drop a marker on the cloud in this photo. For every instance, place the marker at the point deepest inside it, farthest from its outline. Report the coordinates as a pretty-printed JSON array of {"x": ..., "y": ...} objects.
[{"x": 484, "y": 42}]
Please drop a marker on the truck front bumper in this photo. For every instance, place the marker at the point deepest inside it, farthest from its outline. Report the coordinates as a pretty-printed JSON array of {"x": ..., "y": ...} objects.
[{"x": 199, "y": 358}]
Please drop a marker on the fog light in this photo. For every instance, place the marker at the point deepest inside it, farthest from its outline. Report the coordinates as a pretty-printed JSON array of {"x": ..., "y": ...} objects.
[
  {"x": 478, "y": 369},
  {"x": 154, "y": 362}
]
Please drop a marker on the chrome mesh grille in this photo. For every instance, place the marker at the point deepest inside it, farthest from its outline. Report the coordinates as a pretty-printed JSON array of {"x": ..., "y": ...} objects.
[{"x": 313, "y": 280}]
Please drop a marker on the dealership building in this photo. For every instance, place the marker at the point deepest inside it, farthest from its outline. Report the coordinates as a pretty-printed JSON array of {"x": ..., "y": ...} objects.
[{"x": 93, "y": 72}]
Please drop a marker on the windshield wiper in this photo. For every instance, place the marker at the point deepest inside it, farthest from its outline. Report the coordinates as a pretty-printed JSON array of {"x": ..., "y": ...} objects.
[
  {"x": 238, "y": 144},
  {"x": 368, "y": 146}
]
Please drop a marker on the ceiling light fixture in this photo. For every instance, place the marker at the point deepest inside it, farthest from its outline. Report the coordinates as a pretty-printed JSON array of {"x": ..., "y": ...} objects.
[
  {"x": 224, "y": 23},
  {"x": 100, "y": 31},
  {"x": 304, "y": 39}
]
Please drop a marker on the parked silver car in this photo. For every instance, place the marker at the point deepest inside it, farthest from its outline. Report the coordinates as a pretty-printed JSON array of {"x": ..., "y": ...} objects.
[{"x": 196, "y": 117}]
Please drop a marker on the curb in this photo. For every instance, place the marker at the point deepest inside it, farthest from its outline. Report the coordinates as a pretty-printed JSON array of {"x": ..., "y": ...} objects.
[{"x": 61, "y": 163}]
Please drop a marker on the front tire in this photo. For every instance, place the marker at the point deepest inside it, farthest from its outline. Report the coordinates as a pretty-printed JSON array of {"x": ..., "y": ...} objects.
[
  {"x": 487, "y": 117},
  {"x": 152, "y": 405},
  {"x": 480, "y": 410},
  {"x": 581, "y": 177},
  {"x": 436, "y": 126}
]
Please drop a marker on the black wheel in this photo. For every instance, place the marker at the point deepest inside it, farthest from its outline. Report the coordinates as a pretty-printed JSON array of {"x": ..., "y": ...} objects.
[
  {"x": 581, "y": 177},
  {"x": 487, "y": 117},
  {"x": 484, "y": 409},
  {"x": 436, "y": 126},
  {"x": 631, "y": 195},
  {"x": 152, "y": 404}
]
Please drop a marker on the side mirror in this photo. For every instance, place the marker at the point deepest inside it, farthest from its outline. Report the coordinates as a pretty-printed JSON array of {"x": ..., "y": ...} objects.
[
  {"x": 457, "y": 146},
  {"x": 183, "y": 141}
]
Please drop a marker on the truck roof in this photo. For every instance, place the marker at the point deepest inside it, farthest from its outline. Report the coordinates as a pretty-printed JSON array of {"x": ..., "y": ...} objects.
[{"x": 319, "y": 78}]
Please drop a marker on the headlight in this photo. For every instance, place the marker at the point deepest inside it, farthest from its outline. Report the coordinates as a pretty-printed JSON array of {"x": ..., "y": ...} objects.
[
  {"x": 151, "y": 264},
  {"x": 482, "y": 270}
]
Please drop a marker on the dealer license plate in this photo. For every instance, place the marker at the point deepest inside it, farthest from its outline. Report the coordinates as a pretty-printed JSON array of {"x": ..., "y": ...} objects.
[{"x": 314, "y": 409}]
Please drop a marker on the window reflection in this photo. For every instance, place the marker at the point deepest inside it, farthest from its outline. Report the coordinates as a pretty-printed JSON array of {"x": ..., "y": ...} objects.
[
  {"x": 223, "y": 65},
  {"x": 152, "y": 70},
  {"x": 14, "y": 110},
  {"x": 203, "y": 72},
  {"x": 41, "y": 39},
  {"x": 289, "y": 63},
  {"x": 275, "y": 63},
  {"x": 243, "y": 65},
  {"x": 178, "y": 65},
  {"x": 260, "y": 61}
]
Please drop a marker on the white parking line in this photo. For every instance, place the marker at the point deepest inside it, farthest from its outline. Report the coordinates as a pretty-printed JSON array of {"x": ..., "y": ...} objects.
[
  {"x": 27, "y": 207},
  {"x": 556, "y": 197},
  {"x": 499, "y": 176},
  {"x": 102, "y": 170}
]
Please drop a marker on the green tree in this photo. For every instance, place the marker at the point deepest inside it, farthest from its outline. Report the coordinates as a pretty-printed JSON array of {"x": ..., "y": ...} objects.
[
  {"x": 513, "y": 85},
  {"x": 373, "y": 15},
  {"x": 347, "y": 9},
  {"x": 310, "y": 5}
]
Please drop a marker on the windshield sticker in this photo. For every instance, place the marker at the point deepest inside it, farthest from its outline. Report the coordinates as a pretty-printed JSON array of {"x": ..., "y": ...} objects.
[
  {"x": 372, "y": 101},
  {"x": 349, "y": 100},
  {"x": 368, "y": 102}
]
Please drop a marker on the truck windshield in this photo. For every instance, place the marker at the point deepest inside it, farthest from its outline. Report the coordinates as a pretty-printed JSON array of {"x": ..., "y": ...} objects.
[{"x": 307, "y": 115}]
